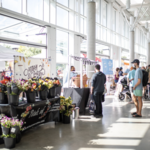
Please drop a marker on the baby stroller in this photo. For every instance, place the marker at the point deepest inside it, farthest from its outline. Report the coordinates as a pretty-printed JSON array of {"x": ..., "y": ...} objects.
[
  {"x": 146, "y": 94},
  {"x": 125, "y": 91}
]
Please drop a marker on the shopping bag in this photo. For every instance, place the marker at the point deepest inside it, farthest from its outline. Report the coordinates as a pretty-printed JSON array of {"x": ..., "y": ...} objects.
[{"x": 92, "y": 106}]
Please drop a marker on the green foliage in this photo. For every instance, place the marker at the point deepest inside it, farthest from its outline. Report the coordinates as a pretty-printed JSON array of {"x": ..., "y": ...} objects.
[
  {"x": 9, "y": 136},
  {"x": 29, "y": 51}
]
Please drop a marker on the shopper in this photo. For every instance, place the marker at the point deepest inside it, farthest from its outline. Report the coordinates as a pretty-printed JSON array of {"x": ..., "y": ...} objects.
[
  {"x": 97, "y": 89},
  {"x": 148, "y": 70},
  {"x": 137, "y": 89},
  {"x": 130, "y": 78},
  {"x": 117, "y": 75},
  {"x": 121, "y": 72},
  {"x": 72, "y": 74}
]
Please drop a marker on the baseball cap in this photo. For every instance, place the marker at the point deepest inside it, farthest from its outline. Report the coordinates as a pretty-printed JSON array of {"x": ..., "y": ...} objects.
[
  {"x": 121, "y": 68},
  {"x": 135, "y": 61}
]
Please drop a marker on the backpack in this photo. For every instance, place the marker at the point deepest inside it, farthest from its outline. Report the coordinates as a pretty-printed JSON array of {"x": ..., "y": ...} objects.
[
  {"x": 92, "y": 107},
  {"x": 145, "y": 77}
]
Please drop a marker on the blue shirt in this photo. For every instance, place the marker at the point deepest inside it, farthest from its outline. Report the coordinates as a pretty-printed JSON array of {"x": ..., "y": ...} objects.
[
  {"x": 131, "y": 75},
  {"x": 138, "y": 75},
  {"x": 65, "y": 79}
]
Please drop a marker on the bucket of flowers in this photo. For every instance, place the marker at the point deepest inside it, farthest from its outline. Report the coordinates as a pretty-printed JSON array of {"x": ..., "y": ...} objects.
[
  {"x": 52, "y": 89},
  {"x": 3, "y": 91},
  {"x": 66, "y": 108},
  {"x": 16, "y": 127},
  {"x": 43, "y": 88},
  {"x": 15, "y": 88},
  {"x": 30, "y": 87},
  {"x": 57, "y": 86},
  {"x": 6, "y": 125}
]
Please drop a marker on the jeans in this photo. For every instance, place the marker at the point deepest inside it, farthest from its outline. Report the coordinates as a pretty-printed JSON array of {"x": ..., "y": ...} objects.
[{"x": 98, "y": 102}]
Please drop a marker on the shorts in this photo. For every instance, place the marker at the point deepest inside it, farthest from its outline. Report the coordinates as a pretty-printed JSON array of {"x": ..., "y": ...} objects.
[
  {"x": 131, "y": 89},
  {"x": 116, "y": 81},
  {"x": 138, "y": 93}
]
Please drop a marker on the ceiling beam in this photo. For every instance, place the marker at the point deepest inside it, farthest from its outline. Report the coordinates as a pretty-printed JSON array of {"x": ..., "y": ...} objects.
[{"x": 145, "y": 19}]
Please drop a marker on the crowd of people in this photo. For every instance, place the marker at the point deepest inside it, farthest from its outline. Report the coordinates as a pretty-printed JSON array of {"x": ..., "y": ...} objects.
[{"x": 137, "y": 80}]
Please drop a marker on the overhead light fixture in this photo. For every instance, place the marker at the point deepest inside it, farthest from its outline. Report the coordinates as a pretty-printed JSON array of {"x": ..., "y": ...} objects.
[{"x": 128, "y": 3}]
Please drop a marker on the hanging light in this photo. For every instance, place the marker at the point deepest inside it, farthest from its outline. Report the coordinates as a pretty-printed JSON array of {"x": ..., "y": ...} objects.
[{"x": 128, "y": 3}]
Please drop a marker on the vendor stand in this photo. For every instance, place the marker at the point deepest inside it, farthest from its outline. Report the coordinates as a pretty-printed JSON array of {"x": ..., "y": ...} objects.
[{"x": 80, "y": 95}]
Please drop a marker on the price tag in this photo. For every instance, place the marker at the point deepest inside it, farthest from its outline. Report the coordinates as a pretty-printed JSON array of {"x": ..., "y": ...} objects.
[{"x": 13, "y": 130}]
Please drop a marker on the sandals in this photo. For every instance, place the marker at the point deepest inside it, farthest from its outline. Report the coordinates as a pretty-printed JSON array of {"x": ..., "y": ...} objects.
[
  {"x": 137, "y": 115},
  {"x": 134, "y": 113}
]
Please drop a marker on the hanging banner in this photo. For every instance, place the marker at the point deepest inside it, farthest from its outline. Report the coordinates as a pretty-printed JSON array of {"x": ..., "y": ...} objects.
[
  {"x": 26, "y": 68},
  {"x": 107, "y": 65}
]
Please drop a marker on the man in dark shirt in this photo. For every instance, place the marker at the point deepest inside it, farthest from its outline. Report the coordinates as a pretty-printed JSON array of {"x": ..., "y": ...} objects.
[{"x": 97, "y": 89}]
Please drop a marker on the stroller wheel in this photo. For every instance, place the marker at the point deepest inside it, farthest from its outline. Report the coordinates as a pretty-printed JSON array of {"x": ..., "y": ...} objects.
[
  {"x": 145, "y": 96},
  {"x": 121, "y": 96}
]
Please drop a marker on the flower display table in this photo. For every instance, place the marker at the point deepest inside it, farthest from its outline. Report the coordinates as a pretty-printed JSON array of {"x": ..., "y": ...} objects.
[
  {"x": 33, "y": 113},
  {"x": 80, "y": 97}
]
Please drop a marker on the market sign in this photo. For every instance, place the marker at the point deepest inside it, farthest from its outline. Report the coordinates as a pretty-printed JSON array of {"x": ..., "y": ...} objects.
[
  {"x": 107, "y": 65},
  {"x": 26, "y": 68}
]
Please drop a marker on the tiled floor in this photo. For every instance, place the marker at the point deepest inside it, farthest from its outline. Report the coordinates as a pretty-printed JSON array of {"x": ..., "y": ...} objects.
[{"x": 117, "y": 130}]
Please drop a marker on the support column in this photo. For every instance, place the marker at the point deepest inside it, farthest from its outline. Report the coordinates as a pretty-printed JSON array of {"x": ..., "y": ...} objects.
[
  {"x": 51, "y": 50},
  {"x": 131, "y": 41},
  {"x": 148, "y": 48},
  {"x": 91, "y": 27}
]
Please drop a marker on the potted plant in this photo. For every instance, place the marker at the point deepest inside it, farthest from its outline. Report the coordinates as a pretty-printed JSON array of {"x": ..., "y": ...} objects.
[
  {"x": 43, "y": 88},
  {"x": 6, "y": 125},
  {"x": 30, "y": 87},
  {"x": 16, "y": 127},
  {"x": 3, "y": 91},
  {"x": 66, "y": 108},
  {"x": 9, "y": 140},
  {"x": 14, "y": 91},
  {"x": 51, "y": 91},
  {"x": 57, "y": 86}
]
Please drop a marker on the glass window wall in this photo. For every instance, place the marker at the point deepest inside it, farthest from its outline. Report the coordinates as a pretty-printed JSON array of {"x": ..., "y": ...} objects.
[
  {"x": 62, "y": 17},
  {"x": 62, "y": 47},
  {"x": 14, "y": 5},
  {"x": 35, "y": 8},
  {"x": 63, "y": 2}
]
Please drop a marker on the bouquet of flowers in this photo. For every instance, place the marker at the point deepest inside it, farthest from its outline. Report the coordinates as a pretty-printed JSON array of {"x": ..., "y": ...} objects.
[
  {"x": 30, "y": 86},
  {"x": 66, "y": 106},
  {"x": 56, "y": 83},
  {"x": 3, "y": 84},
  {"x": 6, "y": 122},
  {"x": 15, "y": 87}
]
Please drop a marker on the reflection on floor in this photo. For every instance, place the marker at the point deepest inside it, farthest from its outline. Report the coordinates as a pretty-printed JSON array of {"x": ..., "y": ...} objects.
[{"x": 117, "y": 130}]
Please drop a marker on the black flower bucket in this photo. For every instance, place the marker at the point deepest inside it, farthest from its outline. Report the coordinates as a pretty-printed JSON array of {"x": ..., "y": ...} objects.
[
  {"x": 13, "y": 100},
  {"x": 9, "y": 142},
  {"x": 3, "y": 98},
  {"x": 43, "y": 95},
  {"x": 66, "y": 119},
  {"x": 31, "y": 97},
  {"x": 8, "y": 90},
  {"x": 5, "y": 130},
  {"x": 51, "y": 92}
]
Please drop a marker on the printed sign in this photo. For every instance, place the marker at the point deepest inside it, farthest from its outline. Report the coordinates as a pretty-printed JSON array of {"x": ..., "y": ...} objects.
[
  {"x": 26, "y": 68},
  {"x": 107, "y": 65}
]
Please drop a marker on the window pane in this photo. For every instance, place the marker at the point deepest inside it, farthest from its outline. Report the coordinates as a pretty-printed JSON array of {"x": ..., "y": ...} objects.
[
  {"x": 62, "y": 17},
  {"x": 60, "y": 68},
  {"x": 63, "y": 2},
  {"x": 14, "y": 5},
  {"x": 81, "y": 7},
  {"x": 46, "y": 10},
  {"x": 76, "y": 5},
  {"x": 82, "y": 23},
  {"x": 62, "y": 47},
  {"x": 104, "y": 12},
  {"x": 35, "y": 8},
  {"x": 102, "y": 49}
]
